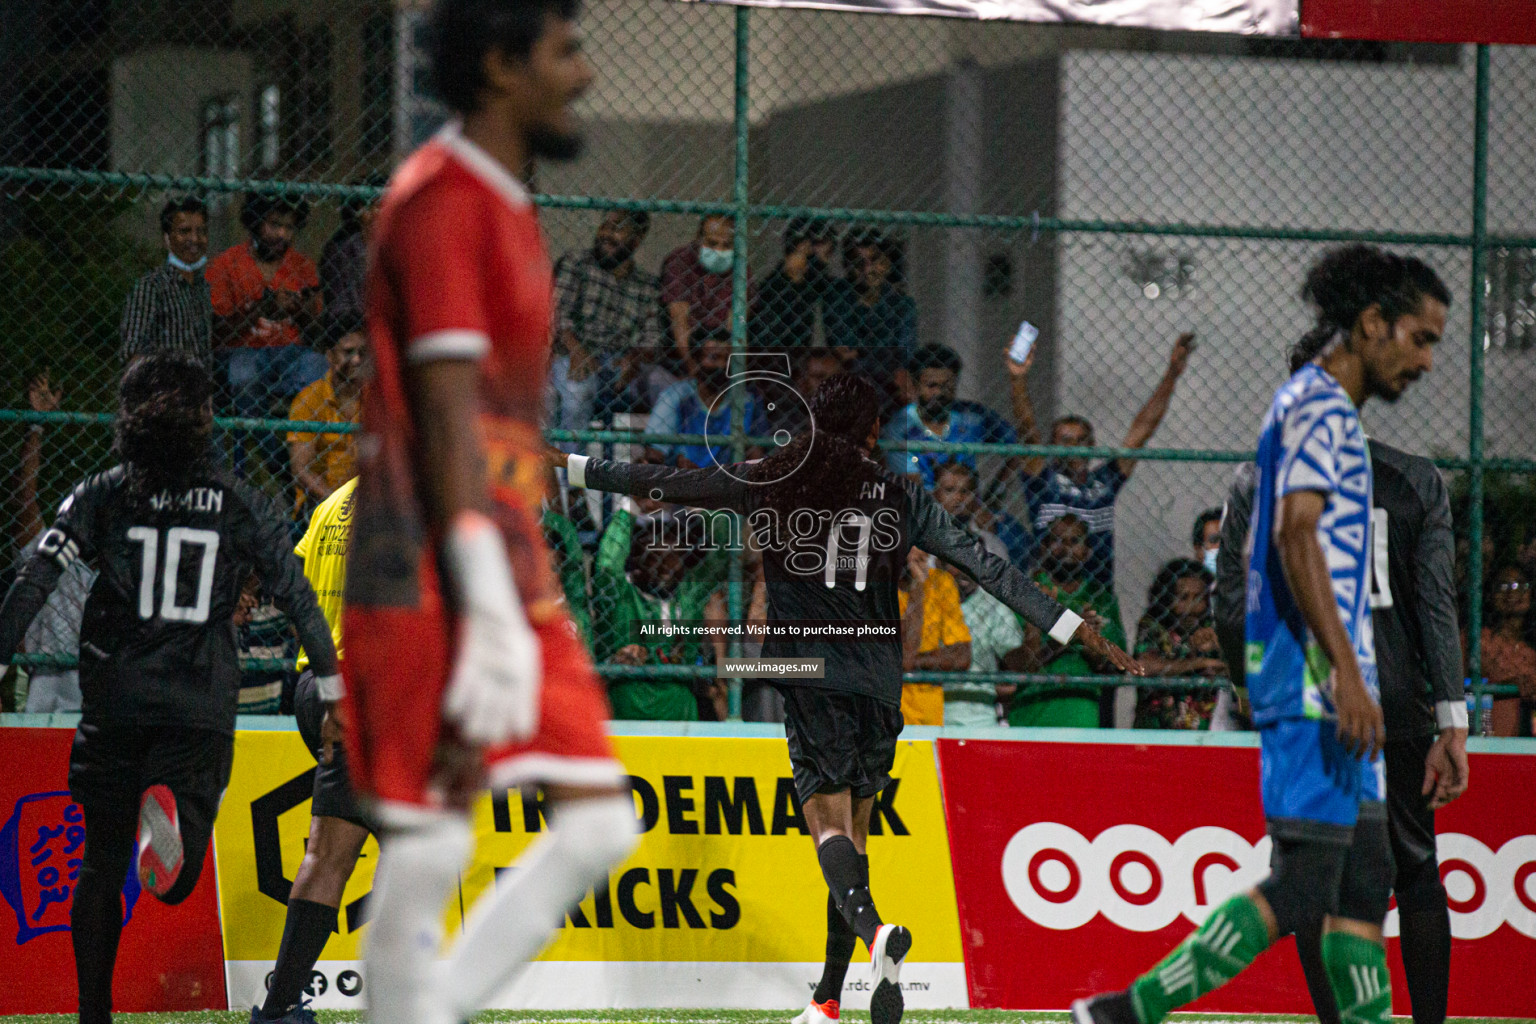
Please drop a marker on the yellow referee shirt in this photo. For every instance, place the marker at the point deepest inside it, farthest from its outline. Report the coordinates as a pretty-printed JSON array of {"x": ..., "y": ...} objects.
[{"x": 324, "y": 551}]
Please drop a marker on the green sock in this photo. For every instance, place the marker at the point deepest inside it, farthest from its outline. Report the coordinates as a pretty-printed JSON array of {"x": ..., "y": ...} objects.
[
  {"x": 1213, "y": 955},
  {"x": 1357, "y": 973}
]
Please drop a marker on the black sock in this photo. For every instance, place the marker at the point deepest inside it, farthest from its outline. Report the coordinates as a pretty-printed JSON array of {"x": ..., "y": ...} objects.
[
  {"x": 1426, "y": 947},
  {"x": 1309, "y": 947},
  {"x": 305, "y": 931},
  {"x": 848, "y": 881},
  {"x": 96, "y": 923},
  {"x": 840, "y": 943}
]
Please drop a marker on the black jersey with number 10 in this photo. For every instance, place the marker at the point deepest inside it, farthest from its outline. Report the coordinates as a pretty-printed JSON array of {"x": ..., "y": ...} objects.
[{"x": 158, "y": 643}]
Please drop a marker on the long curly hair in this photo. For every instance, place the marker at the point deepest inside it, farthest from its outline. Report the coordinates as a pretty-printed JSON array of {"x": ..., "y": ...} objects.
[
  {"x": 1165, "y": 587},
  {"x": 843, "y": 412},
  {"x": 1350, "y": 279},
  {"x": 164, "y": 422}
]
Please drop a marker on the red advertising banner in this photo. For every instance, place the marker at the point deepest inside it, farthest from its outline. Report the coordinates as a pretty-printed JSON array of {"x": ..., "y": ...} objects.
[
  {"x": 1421, "y": 21},
  {"x": 1077, "y": 866},
  {"x": 171, "y": 958}
]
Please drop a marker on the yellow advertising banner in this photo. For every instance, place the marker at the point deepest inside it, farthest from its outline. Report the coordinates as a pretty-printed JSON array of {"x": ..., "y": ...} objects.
[{"x": 725, "y": 879}]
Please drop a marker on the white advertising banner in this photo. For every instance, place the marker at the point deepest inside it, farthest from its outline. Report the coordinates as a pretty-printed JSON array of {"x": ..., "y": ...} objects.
[{"x": 1244, "y": 17}]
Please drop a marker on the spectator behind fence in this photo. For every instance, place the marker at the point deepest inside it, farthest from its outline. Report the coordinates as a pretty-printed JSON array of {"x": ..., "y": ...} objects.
[
  {"x": 1056, "y": 487},
  {"x": 996, "y": 639},
  {"x": 696, "y": 282},
  {"x": 169, "y": 308},
  {"x": 791, "y": 305},
  {"x": 812, "y": 368},
  {"x": 954, "y": 487},
  {"x": 645, "y": 572},
  {"x": 693, "y": 406},
  {"x": 1064, "y": 574},
  {"x": 934, "y": 414},
  {"x": 869, "y": 315},
  {"x": 266, "y": 295},
  {"x": 56, "y": 628},
  {"x": 607, "y": 315},
  {"x": 264, "y": 634},
  {"x": 934, "y": 637},
  {"x": 1177, "y": 637},
  {"x": 1509, "y": 648},
  {"x": 323, "y": 462},
  {"x": 1206, "y": 538},
  {"x": 344, "y": 260}
]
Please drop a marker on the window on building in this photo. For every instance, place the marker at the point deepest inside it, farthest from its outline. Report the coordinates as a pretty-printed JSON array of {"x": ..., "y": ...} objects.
[{"x": 269, "y": 124}]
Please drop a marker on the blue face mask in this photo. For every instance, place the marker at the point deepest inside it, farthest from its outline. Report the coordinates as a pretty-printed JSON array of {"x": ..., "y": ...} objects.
[
  {"x": 716, "y": 261},
  {"x": 180, "y": 264},
  {"x": 1210, "y": 559}
]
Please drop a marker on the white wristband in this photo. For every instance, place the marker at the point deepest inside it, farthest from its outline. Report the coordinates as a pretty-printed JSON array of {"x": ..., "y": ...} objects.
[
  {"x": 329, "y": 688},
  {"x": 1450, "y": 714},
  {"x": 576, "y": 470},
  {"x": 1066, "y": 626}
]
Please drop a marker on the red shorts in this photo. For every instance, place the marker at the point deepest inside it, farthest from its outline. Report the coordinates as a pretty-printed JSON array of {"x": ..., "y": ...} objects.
[{"x": 396, "y": 669}]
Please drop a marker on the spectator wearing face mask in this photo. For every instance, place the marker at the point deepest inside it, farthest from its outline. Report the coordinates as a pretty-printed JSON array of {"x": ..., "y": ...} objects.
[
  {"x": 607, "y": 312},
  {"x": 1206, "y": 538},
  {"x": 694, "y": 406},
  {"x": 169, "y": 308},
  {"x": 696, "y": 282},
  {"x": 790, "y": 307},
  {"x": 936, "y": 415}
]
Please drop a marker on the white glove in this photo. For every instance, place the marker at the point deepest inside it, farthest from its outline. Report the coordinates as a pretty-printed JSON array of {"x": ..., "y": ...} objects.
[{"x": 493, "y": 691}]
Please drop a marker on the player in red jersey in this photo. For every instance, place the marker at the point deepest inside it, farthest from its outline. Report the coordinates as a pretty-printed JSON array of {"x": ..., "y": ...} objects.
[{"x": 462, "y": 668}]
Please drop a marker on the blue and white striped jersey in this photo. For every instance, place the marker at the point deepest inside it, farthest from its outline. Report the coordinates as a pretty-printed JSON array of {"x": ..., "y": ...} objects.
[{"x": 1312, "y": 440}]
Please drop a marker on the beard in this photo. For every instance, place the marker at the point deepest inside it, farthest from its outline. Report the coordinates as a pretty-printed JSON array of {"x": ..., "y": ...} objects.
[
  {"x": 553, "y": 145},
  {"x": 937, "y": 408},
  {"x": 611, "y": 259}
]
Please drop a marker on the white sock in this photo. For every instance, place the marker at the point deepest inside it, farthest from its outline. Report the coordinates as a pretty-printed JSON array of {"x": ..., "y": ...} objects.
[
  {"x": 418, "y": 869},
  {"x": 506, "y": 930}
]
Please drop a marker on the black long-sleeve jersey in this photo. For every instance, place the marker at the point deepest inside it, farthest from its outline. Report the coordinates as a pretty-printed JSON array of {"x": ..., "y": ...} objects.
[
  {"x": 158, "y": 641},
  {"x": 1418, "y": 646},
  {"x": 839, "y": 568}
]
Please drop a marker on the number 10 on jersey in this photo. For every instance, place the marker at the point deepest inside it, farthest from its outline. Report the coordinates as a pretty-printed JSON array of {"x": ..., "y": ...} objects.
[{"x": 177, "y": 538}]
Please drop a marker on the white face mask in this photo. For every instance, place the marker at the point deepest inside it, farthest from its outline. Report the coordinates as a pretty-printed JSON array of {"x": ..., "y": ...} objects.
[
  {"x": 716, "y": 261},
  {"x": 181, "y": 264},
  {"x": 1210, "y": 559}
]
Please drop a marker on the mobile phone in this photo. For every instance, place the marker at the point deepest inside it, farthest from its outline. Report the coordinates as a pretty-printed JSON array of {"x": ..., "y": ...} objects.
[{"x": 1023, "y": 341}]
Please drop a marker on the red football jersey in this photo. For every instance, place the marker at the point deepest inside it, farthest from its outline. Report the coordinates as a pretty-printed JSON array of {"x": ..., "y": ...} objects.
[{"x": 458, "y": 270}]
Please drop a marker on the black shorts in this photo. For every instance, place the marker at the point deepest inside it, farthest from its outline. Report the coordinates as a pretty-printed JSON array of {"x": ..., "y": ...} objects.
[
  {"x": 333, "y": 794},
  {"x": 111, "y": 767},
  {"x": 839, "y": 741},
  {"x": 1410, "y": 822}
]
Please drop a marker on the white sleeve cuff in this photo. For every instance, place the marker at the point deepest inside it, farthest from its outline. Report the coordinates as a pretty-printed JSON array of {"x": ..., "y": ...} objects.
[
  {"x": 454, "y": 343},
  {"x": 576, "y": 469},
  {"x": 1066, "y": 626},
  {"x": 1450, "y": 714},
  {"x": 329, "y": 687}
]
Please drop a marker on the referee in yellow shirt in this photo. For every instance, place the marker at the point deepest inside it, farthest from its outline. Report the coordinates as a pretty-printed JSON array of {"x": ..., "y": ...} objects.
[{"x": 337, "y": 829}]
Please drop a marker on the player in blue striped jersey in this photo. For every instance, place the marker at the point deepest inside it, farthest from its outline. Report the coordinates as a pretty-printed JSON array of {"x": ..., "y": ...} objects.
[{"x": 1311, "y": 659}]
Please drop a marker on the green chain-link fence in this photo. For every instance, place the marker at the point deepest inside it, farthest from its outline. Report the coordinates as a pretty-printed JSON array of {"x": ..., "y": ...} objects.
[{"x": 882, "y": 185}]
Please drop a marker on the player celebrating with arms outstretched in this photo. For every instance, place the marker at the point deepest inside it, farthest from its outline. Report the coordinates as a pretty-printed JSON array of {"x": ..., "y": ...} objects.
[
  {"x": 835, "y": 529},
  {"x": 464, "y": 670},
  {"x": 1311, "y": 661}
]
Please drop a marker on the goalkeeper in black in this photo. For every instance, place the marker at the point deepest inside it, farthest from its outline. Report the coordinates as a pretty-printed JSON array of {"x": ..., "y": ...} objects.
[
  {"x": 172, "y": 540},
  {"x": 835, "y": 528}
]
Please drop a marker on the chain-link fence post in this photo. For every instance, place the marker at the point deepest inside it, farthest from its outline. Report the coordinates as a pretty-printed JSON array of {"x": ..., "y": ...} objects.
[{"x": 1475, "y": 404}]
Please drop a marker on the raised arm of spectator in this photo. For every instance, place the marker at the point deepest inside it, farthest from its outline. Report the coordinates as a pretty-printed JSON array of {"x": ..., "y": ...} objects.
[
  {"x": 1024, "y": 411},
  {"x": 1151, "y": 415},
  {"x": 29, "y": 517}
]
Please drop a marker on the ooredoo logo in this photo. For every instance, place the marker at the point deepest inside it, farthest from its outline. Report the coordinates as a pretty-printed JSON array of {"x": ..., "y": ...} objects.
[{"x": 1142, "y": 882}]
